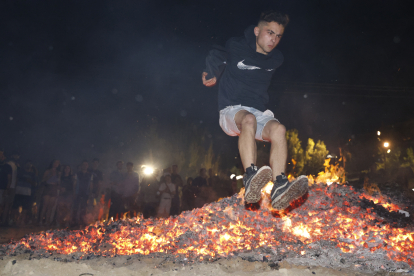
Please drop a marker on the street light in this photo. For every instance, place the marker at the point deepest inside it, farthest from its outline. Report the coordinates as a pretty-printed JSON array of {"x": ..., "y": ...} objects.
[
  {"x": 386, "y": 145},
  {"x": 378, "y": 133}
]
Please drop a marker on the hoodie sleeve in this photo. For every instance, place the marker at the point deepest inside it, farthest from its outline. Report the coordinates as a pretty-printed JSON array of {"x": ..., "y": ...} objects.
[{"x": 216, "y": 62}]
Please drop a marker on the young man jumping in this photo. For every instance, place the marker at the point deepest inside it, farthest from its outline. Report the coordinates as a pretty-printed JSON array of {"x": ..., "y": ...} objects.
[{"x": 245, "y": 68}]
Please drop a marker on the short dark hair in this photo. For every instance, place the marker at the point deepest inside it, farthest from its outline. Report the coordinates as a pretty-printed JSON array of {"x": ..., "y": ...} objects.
[
  {"x": 274, "y": 16},
  {"x": 130, "y": 164}
]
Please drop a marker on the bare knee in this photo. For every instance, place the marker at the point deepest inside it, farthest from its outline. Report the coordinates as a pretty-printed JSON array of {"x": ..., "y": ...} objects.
[
  {"x": 249, "y": 120},
  {"x": 277, "y": 132}
]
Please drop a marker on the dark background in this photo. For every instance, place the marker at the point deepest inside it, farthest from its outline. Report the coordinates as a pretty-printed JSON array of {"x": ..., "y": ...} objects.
[{"x": 84, "y": 79}]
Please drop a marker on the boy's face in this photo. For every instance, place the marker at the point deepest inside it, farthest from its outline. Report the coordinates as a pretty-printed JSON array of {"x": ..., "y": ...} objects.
[{"x": 268, "y": 35}]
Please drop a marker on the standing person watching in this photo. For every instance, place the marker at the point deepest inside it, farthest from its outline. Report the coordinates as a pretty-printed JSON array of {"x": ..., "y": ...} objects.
[
  {"x": 148, "y": 194},
  {"x": 51, "y": 178},
  {"x": 245, "y": 68},
  {"x": 116, "y": 179},
  {"x": 83, "y": 191},
  {"x": 188, "y": 196},
  {"x": 26, "y": 183},
  {"x": 97, "y": 191},
  {"x": 166, "y": 193},
  {"x": 11, "y": 192},
  {"x": 178, "y": 182},
  {"x": 130, "y": 188},
  {"x": 5, "y": 183},
  {"x": 66, "y": 196}
]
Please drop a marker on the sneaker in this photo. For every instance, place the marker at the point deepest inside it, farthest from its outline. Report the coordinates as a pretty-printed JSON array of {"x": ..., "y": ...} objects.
[
  {"x": 254, "y": 180},
  {"x": 285, "y": 192}
]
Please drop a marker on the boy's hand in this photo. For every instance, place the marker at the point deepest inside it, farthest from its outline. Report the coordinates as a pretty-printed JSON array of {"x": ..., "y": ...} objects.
[{"x": 210, "y": 82}]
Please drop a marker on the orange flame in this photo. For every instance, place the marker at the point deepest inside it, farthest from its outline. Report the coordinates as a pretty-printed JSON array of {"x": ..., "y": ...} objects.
[{"x": 214, "y": 231}]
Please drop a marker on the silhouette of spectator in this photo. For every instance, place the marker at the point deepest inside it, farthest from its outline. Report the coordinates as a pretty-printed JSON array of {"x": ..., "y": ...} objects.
[
  {"x": 130, "y": 188},
  {"x": 166, "y": 192},
  {"x": 200, "y": 180},
  {"x": 97, "y": 179},
  {"x": 83, "y": 191},
  {"x": 178, "y": 182},
  {"x": 66, "y": 196},
  {"x": 148, "y": 194},
  {"x": 26, "y": 182},
  {"x": 224, "y": 188},
  {"x": 188, "y": 195},
  {"x": 97, "y": 192},
  {"x": 51, "y": 178},
  {"x": 213, "y": 180},
  {"x": 36, "y": 196},
  {"x": 5, "y": 183},
  {"x": 116, "y": 179},
  {"x": 9, "y": 199}
]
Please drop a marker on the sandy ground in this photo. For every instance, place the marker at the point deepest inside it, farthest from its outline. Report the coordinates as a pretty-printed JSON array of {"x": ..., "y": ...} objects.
[{"x": 126, "y": 266}]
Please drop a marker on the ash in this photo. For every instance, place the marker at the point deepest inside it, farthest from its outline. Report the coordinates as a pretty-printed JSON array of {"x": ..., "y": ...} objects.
[{"x": 332, "y": 226}]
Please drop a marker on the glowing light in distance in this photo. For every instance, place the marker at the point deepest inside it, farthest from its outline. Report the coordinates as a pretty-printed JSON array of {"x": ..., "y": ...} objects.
[
  {"x": 378, "y": 133},
  {"x": 388, "y": 151},
  {"x": 231, "y": 176},
  {"x": 147, "y": 170},
  {"x": 386, "y": 144}
]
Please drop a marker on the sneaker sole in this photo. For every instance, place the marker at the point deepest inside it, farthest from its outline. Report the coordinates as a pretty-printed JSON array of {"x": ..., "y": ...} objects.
[
  {"x": 298, "y": 189},
  {"x": 262, "y": 177}
]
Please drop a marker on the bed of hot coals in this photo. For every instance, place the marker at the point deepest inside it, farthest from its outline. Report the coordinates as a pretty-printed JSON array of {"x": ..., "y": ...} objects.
[{"x": 332, "y": 226}]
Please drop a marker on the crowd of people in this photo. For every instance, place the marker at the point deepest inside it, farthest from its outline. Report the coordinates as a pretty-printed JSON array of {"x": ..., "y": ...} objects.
[{"x": 65, "y": 196}]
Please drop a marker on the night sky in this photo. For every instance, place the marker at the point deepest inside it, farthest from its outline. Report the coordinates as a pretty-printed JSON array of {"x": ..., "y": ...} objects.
[{"x": 81, "y": 79}]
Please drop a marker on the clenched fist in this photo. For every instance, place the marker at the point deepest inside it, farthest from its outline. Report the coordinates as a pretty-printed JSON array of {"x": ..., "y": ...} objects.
[{"x": 210, "y": 82}]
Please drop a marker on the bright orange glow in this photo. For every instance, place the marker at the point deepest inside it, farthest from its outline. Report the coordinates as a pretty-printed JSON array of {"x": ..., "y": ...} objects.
[
  {"x": 332, "y": 174},
  {"x": 215, "y": 231}
]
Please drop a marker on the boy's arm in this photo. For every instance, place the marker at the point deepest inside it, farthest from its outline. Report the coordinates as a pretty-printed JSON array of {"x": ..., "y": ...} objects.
[{"x": 215, "y": 64}]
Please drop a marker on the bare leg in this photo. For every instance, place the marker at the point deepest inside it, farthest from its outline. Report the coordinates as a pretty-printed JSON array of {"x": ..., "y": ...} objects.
[
  {"x": 246, "y": 123},
  {"x": 275, "y": 133}
]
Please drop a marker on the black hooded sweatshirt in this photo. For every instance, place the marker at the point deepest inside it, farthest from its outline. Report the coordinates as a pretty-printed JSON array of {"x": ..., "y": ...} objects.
[{"x": 247, "y": 73}]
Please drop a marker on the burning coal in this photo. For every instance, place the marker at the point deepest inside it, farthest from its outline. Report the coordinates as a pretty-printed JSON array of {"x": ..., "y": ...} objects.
[{"x": 330, "y": 222}]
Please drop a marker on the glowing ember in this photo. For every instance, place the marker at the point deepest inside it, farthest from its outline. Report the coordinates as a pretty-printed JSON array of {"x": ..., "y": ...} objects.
[
  {"x": 382, "y": 200},
  {"x": 225, "y": 227}
]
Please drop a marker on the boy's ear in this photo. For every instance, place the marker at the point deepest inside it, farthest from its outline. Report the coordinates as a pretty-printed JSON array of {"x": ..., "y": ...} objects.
[{"x": 256, "y": 31}]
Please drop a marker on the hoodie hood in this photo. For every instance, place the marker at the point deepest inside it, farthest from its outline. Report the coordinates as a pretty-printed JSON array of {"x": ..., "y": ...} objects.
[{"x": 251, "y": 39}]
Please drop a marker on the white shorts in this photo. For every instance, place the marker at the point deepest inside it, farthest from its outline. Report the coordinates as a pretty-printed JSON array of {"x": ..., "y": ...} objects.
[{"x": 229, "y": 126}]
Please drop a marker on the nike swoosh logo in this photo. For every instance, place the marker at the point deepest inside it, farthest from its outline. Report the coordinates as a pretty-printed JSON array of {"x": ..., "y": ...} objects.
[{"x": 243, "y": 66}]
